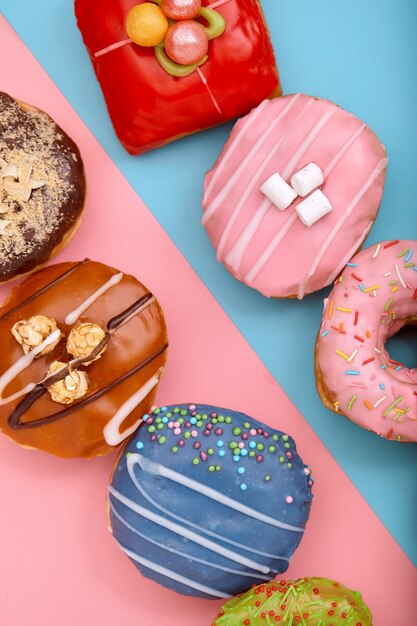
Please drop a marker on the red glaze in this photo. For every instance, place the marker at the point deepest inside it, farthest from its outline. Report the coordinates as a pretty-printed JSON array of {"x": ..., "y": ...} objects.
[
  {"x": 186, "y": 42},
  {"x": 181, "y": 9},
  {"x": 148, "y": 107}
]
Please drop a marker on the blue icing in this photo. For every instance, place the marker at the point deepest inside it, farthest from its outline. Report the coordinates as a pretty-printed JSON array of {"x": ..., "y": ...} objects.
[{"x": 199, "y": 501}]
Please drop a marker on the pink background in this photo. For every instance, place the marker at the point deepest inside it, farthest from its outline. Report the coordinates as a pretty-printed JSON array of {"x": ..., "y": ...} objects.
[{"x": 59, "y": 564}]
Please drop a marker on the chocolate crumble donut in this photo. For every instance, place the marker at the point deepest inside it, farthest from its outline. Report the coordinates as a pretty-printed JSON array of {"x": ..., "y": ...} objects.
[
  {"x": 42, "y": 188},
  {"x": 83, "y": 350}
]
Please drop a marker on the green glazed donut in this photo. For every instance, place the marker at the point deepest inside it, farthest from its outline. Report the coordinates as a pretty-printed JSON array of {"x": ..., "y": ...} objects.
[{"x": 303, "y": 602}]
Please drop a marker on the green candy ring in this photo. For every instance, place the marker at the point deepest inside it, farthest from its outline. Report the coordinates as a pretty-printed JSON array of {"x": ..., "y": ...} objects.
[{"x": 216, "y": 27}]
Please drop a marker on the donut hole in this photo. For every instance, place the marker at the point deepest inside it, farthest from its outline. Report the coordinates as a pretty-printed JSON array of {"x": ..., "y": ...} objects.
[{"x": 402, "y": 346}]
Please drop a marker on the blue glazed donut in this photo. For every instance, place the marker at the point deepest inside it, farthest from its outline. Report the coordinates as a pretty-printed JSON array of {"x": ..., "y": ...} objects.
[{"x": 207, "y": 501}]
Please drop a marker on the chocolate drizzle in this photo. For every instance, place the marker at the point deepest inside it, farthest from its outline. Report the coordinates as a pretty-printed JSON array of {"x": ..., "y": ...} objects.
[
  {"x": 41, "y": 291},
  {"x": 14, "y": 419},
  {"x": 39, "y": 390}
]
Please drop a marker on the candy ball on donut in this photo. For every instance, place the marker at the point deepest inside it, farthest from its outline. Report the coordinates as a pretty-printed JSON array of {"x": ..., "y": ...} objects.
[
  {"x": 207, "y": 501},
  {"x": 181, "y": 9},
  {"x": 83, "y": 350},
  {"x": 373, "y": 298},
  {"x": 186, "y": 42},
  {"x": 307, "y": 601}
]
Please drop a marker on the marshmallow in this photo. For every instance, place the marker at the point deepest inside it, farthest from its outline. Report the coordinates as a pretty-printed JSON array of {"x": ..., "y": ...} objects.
[
  {"x": 313, "y": 208},
  {"x": 306, "y": 180},
  {"x": 278, "y": 192}
]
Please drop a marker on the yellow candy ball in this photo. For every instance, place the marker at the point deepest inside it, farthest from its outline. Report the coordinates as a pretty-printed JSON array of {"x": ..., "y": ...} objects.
[{"x": 146, "y": 25}]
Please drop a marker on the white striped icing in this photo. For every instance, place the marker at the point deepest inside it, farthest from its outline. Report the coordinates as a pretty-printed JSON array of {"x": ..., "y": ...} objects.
[
  {"x": 362, "y": 191},
  {"x": 256, "y": 177},
  {"x": 186, "y": 533},
  {"x": 74, "y": 315},
  {"x": 273, "y": 245},
  {"x": 205, "y": 531},
  {"x": 160, "y": 569},
  {"x": 111, "y": 431},
  {"x": 185, "y": 555},
  {"x": 221, "y": 196},
  {"x": 232, "y": 149},
  {"x": 157, "y": 469},
  {"x": 236, "y": 254}
]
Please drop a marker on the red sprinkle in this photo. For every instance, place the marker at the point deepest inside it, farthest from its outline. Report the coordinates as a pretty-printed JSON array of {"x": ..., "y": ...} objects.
[
  {"x": 356, "y": 318},
  {"x": 390, "y": 433},
  {"x": 359, "y": 338},
  {"x": 388, "y": 245},
  {"x": 356, "y": 277},
  {"x": 415, "y": 295},
  {"x": 369, "y": 360},
  {"x": 247, "y": 622},
  {"x": 316, "y": 591},
  {"x": 339, "y": 330},
  {"x": 331, "y": 612}
]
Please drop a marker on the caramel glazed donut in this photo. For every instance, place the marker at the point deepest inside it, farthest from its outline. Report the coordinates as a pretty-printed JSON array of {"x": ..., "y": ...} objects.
[
  {"x": 375, "y": 296},
  {"x": 42, "y": 188},
  {"x": 87, "y": 337},
  {"x": 304, "y": 602}
]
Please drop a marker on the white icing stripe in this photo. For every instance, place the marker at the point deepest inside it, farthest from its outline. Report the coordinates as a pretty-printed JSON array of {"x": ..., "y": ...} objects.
[
  {"x": 111, "y": 431},
  {"x": 209, "y": 91},
  {"x": 349, "y": 255},
  {"x": 172, "y": 575},
  {"x": 20, "y": 365},
  {"x": 235, "y": 256},
  {"x": 74, "y": 315},
  {"x": 250, "y": 120},
  {"x": 305, "y": 145},
  {"x": 205, "y": 531},
  {"x": 186, "y": 533},
  {"x": 248, "y": 234},
  {"x": 256, "y": 179},
  {"x": 361, "y": 193},
  {"x": 269, "y": 251},
  {"x": 343, "y": 151},
  {"x": 185, "y": 555},
  {"x": 214, "y": 205},
  {"x": 157, "y": 469}
]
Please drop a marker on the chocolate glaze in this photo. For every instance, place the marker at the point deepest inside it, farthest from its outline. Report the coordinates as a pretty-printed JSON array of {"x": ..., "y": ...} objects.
[
  {"x": 136, "y": 351},
  {"x": 24, "y": 126},
  {"x": 48, "y": 286},
  {"x": 39, "y": 390}
]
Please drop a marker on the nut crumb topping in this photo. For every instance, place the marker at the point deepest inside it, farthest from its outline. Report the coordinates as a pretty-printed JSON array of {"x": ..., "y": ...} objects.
[
  {"x": 83, "y": 339},
  {"x": 32, "y": 332},
  {"x": 71, "y": 388}
]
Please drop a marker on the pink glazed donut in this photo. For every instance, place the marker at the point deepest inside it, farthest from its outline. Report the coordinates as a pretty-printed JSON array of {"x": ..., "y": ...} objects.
[
  {"x": 273, "y": 250},
  {"x": 375, "y": 296}
]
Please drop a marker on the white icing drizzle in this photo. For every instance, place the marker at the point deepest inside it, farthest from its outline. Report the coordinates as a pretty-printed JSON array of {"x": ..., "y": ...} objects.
[
  {"x": 256, "y": 177},
  {"x": 20, "y": 365},
  {"x": 361, "y": 193},
  {"x": 347, "y": 258},
  {"x": 272, "y": 246},
  {"x": 185, "y": 532},
  {"x": 216, "y": 202},
  {"x": 270, "y": 249},
  {"x": 205, "y": 531},
  {"x": 185, "y": 555},
  {"x": 400, "y": 278},
  {"x": 111, "y": 431},
  {"x": 249, "y": 232},
  {"x": 250, "y": 120},
  {"x": 74, "y": 315},
  {"x": 157, "y": 469},
  {"x": 343, "y": 151},
  {"x": 160, "y": 569}
]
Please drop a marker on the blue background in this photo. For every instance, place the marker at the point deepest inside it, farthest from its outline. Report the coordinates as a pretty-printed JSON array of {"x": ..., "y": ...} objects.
[{"x": 359, "y": 53}]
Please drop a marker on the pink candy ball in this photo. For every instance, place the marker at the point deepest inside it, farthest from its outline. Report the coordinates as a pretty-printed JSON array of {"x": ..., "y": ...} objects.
[
  {"x": 186, "y": 42},
  {"x": 181, "y": 9}
]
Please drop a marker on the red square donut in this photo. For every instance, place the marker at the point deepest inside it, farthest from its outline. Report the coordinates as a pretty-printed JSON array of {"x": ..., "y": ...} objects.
[{"x": 148, "y": 106}]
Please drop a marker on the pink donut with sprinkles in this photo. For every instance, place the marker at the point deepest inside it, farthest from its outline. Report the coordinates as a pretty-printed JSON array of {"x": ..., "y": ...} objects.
[
  {"x": 293, "y": 195},
  {"x": 375, "y": 296}
]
